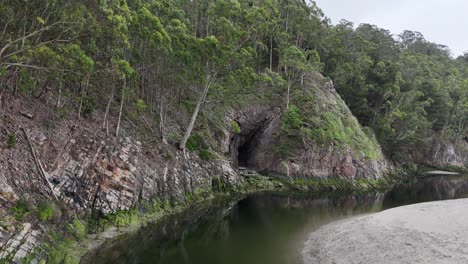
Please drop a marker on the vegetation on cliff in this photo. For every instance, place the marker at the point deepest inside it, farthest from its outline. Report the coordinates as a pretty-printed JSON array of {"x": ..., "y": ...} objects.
[{"x": 181, "y": 64}]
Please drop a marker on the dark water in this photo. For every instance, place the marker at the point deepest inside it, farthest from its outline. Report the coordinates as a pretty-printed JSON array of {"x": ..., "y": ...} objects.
[{"x": 267, "y": 228}]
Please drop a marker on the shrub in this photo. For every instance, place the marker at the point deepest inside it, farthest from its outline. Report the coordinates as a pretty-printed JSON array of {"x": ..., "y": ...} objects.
[
  {"x": 292, "y": 119},
  {"x": 21, "y": 209},
  {"x": 194, "y": 142},
  {"x": 77, "y": 229},
  {"x": 205, "y": 154},
  {"x": 46, "y": 210},
  {"x": 235, "y": 128},
  {"x": 11, "y": 140},
  {"x": 63, "y": 112},
  {"x": 89, "y": 105},
  {"x": 141, "y": 105}
]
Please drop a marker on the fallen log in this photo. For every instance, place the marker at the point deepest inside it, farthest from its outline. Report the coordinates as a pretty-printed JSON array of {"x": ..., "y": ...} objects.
[{"x": 42, "y": 172}]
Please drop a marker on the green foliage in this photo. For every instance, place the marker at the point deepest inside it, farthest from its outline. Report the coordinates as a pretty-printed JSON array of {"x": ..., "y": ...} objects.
[
  {"x": 61, "y": 251},
  {"x": 123, "y": 68},
  {"x": 292, "y": 119},
  {"x": 194, "y": 142},
  {"x": 46, "y": 210},
  {"x": 77, "y": 228},
  {"x": 411, "y": 92},
  {"x": 235, "y": 128},
  {"x": 141, "y": 105},
  {"x": 11, "y": 140},
  {"x": 63, "y": 112},
  {"x": 306, "y": 123},
  {"x": 22, "y": 208},
  {"x": 89, "y": 105},
  {"x": 205, "y": 154}
]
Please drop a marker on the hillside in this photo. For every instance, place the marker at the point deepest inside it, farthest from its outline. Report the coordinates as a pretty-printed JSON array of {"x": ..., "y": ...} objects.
[{"x": 111, "y": 109}]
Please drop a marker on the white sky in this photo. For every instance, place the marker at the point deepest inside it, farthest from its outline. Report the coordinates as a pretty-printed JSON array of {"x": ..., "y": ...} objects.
[{"x": 440, "y": 21}]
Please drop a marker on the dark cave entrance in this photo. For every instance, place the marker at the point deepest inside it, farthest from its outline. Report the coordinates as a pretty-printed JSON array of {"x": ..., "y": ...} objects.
[
  {"x": 246, "y": 150},
  {"x": 245, "y": 147}
]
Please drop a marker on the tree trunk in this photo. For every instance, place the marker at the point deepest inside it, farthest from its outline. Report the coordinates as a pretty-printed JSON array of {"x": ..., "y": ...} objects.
[
  {"x": 106, "y": 122},
  {"x": 60, "y": 91},
  {"x": 195, "y": 113},
  {"x": 59, "y": 96},
  {"x": 162, "y": 122},
  {"x": 271, "y": 52},
  {"x": 81, "y": 99},
  {"x": 121, "y": 108},
  {"x": 302, "y": 81}
]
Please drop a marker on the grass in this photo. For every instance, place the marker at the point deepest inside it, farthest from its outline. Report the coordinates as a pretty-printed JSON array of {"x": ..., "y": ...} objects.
[
  {"x": 339, "y": 184},
  {"x": 77, "y": 228},
  {"x": 21, "y": 209},
  {"x": 235, "y": 128},
  {"x": 309, "y": 123},
  {"x": 46, "y": 210},
  {"x": 11, "y": 140}
]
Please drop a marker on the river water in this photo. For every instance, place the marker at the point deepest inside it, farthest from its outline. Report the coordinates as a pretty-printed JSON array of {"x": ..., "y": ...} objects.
[{"x": 265, "y": 228}]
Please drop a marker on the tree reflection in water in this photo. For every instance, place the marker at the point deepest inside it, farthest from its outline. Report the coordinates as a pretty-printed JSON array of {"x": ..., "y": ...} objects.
[{"x": 261, "y": 228}]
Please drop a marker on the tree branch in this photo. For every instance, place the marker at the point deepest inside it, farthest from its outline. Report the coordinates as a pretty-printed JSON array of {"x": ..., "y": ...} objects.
[{"x": 8, "y": 64}]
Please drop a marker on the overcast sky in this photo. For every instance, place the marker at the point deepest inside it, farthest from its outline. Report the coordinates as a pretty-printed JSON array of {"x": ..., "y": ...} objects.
[{"x": 440, "y": 21}]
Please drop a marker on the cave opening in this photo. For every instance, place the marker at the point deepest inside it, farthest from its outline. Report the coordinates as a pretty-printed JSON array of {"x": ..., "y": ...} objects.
[
  {"x": 246, "y": 151},
  {"x": 245, "y": 147}
]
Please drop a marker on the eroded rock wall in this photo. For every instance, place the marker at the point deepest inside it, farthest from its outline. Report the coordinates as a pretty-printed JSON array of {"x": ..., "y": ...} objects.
[
  {"x": 88, "y": 172},
  {"x": 449, "y": 154},
  {"x": 261, "y": 131}
]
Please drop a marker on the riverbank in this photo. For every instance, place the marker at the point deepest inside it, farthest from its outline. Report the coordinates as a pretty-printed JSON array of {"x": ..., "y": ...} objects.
[
  {"x": 81, "y": 236},
  {"x": 434, "y": 232},
  {"x": 74, "y": 238}
]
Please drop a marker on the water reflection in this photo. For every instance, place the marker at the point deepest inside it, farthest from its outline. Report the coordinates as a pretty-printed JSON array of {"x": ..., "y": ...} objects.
[
  {"x": 262, "y": 228},
  {"x": 426, "y": 189}
]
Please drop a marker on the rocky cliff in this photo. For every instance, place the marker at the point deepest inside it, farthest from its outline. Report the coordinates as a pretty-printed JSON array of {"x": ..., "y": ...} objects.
[
  {"x": 449, "y": 154},
  {"x": 345, "y": 151},
  {"x": 87, "y": 171}
]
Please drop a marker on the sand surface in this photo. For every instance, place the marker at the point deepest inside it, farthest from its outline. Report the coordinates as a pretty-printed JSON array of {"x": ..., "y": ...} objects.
[
  {"x": 435, "y": 232},
  {"x": 437, "y": 172}
]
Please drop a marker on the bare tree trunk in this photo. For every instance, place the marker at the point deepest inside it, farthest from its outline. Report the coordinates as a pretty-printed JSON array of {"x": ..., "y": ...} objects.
[
  {"x": 195, "y": 113},
  {"x": 162, "y": 122},
  {"x": 15, "y": 76},
  {"x": 60, "y": 91},
  {"x": 106, "y": 122},
  {"x": 287, "y": 96},
  {"x": 59, "y": 96},
  {"x": 271, "y": 52},
  {"x": 82, "y": 94},
  {"x": 121, "y": 107},
  {"x": 3, "y": 90},
  {"x": 40, "y": 168}
]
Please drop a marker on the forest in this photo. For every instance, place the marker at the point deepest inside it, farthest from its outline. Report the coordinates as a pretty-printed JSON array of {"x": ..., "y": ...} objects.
[{"x": 177, "y": 66}]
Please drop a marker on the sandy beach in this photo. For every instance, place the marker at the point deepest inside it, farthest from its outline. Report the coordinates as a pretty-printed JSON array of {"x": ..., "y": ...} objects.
[{"x": 435, "y": 232}]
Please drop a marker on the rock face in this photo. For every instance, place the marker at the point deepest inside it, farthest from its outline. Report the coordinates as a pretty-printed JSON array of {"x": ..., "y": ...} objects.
[
  {"x": 260, "y": 135},
  {"x": 449, "y": 155},
  {"x": 110, "y": 176},
  {"x": 91, "y": 172}
]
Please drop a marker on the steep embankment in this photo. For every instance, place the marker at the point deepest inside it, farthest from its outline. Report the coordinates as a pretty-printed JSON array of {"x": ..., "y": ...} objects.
[
  {"x": 90, "y": 172},
  {"x": 432, "y": 232},
  {"x": 317, "y": 137},
  {"x": 449, "y": 154}
]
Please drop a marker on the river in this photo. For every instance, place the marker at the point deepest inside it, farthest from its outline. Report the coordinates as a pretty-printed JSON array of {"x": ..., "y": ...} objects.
[{"x": 261, "y": 228}]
